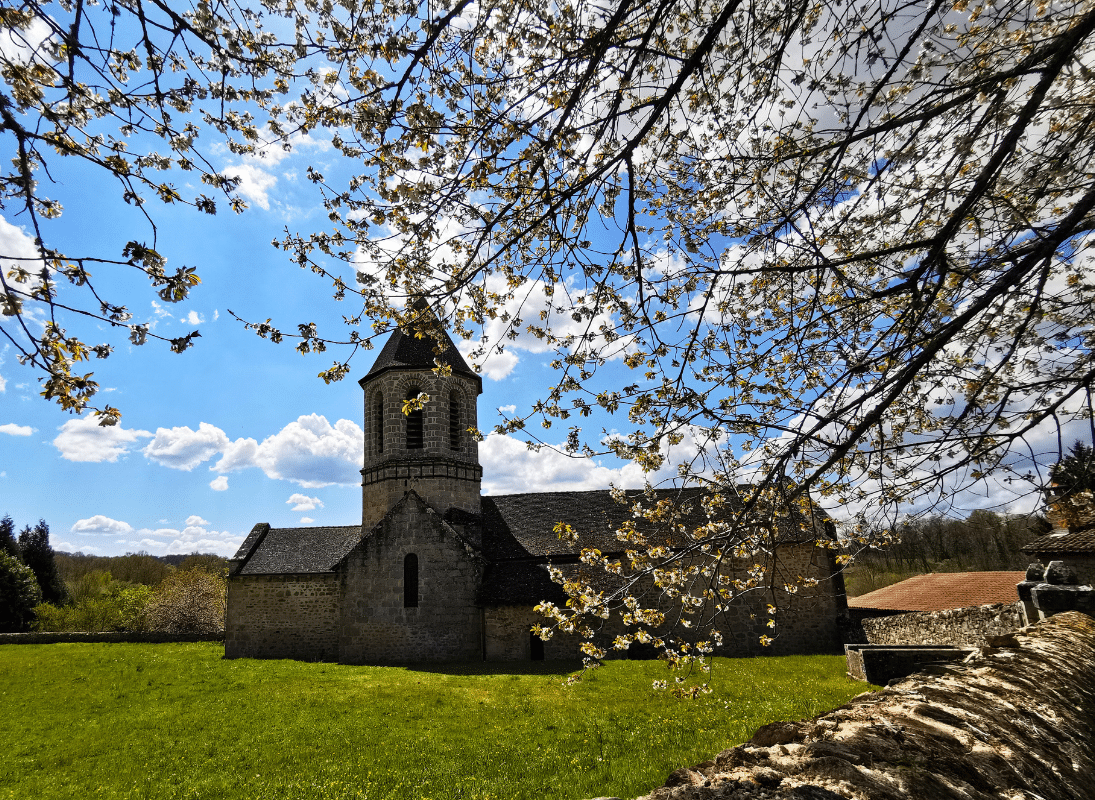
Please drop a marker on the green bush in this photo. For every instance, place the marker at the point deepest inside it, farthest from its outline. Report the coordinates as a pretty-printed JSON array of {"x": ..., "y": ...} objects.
[
  {"x": 117, "y": 607},
  {"x": 19, "y": 593},
  {"x": 189, "y": 601}
]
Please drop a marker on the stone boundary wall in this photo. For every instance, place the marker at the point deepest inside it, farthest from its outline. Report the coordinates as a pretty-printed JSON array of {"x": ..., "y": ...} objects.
[
  {"x": 1014, "y": 721},
  {"x": 132, "y": 637},
  {"x": 961, "y": 627}
]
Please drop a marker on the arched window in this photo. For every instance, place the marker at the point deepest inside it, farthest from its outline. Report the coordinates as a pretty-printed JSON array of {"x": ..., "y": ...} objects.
[
  {"x": 414, "y": 425},
  {"x": 454, "y": 422},
  {"x": 379, "y": 425},
  {"x": 410, "y": 581}
]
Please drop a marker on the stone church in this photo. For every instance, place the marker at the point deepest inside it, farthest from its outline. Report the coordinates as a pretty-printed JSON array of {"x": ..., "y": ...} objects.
[{"x": 437, "y": 572}]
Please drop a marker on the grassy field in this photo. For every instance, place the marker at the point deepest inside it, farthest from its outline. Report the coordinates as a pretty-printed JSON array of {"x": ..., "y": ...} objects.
[{"x": 178, "y": 721}]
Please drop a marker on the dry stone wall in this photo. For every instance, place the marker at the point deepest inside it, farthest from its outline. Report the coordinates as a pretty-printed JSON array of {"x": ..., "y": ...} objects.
[
  {"x": 1013, "y": 722},
  {"x": 283, "y": 616},
  {"x": 972, "y": 626}
]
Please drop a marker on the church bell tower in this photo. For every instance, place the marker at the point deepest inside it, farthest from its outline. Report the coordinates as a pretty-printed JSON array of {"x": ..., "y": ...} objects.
[{"x": 429, "y": 451}]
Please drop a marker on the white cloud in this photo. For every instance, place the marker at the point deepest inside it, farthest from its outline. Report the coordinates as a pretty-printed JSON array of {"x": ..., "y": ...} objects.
[
  {"x": 219, "y": 483},
  {"x": 310, "y": 452},
  {"x": 306, "y": 520},
  {"x": 304, "y": 502},
  {"x": 11, "y": 429},
  {"x": 509, "y": 467},
  {"x": 183, "y": 448},
  {"x": 21, "y": 45},
  {"x": 508, "y": 410},
  {"x": 3, "y": 384},
  {"x": 160, "y": 311},
  {"x": 255, "y": 183},
  {"x": 101, "y": 524},
  {"x": 192, "y": 318},
  {"x": 194, "y": 538},
  {"x": 83, "y": 439},
  {"x": 69, "y": 547},
  {"x": 256, "y": 178}
]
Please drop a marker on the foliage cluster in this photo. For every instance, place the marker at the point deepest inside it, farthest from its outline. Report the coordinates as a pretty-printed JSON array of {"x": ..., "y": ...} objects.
[
  {"x": 130, "y": 568},
  {"x": 170, "y": 721},
  {"x": 134, "y": 592},
  {"x": 100, "y": 604},
  {"x": 19, "y": 594},
  {"x": 185, "y": 601},
  {"x": 30, "y": 554}
]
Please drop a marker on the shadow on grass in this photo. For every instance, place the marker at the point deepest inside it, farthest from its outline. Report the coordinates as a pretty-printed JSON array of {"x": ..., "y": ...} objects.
[{"x": 496, "y": 667}]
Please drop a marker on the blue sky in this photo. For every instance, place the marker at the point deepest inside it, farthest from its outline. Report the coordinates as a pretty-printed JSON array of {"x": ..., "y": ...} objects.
[{"x": 235, "y": 430}]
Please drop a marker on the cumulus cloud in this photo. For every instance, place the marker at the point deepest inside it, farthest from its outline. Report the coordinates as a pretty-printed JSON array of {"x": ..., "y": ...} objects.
[
  {"x": 306, "y": 520},
  {"x": 183, "y": 448},
  {"x": 257, "y": 180},
  {"x": 255, "y": 183},
  {"x": 195, "y": 537},
  {"x": 83, "y": 439},
  {"x": 304, "y": 502},
  {"x": 310, "y": 452},
  {"x": 69, "y": 547},
  {"x": 192, "y": 318},
  {"x": 11, "y": 429},
  {"x": 508, "y": 410},
  {"x": 101, "y": 524},
  {"x": 219, "y": 483},
  {"x": 3, "y": 384}
]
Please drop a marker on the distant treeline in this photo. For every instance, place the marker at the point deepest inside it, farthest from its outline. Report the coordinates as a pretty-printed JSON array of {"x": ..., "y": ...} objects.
[
  {"x": 141, "y": 568},
  {"x": 982, "y": 542}
]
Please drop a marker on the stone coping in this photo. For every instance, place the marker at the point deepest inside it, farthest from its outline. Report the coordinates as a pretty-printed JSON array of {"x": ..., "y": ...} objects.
[{"x": 134, "y": 637}]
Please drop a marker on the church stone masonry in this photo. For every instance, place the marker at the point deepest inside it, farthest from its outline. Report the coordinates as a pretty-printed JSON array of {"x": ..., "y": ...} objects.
[{"x": 435, "y": 571}]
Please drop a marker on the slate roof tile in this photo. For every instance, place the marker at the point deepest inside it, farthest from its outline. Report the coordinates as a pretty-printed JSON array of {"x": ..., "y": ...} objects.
[
  {"x": 939, "y": 591},
  {"x": 522, "y": 525},
  {"x": 406, "y": 352},
  {"x": 299, "y": 550},
  {"x": 1081, "y": 541}
]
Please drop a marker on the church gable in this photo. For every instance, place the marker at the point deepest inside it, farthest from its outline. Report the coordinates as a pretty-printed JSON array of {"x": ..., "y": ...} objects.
[{"x": 409, "y": 591}]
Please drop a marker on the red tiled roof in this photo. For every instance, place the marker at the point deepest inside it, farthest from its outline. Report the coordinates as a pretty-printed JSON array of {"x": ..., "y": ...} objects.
[{"x": 938, "y": 591}]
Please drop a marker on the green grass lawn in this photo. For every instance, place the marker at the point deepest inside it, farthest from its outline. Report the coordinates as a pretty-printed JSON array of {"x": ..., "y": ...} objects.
[{"x": 178, "y": 721}]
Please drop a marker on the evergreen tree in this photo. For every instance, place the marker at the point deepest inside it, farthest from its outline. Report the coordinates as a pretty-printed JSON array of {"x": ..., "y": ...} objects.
[
  {"x": 7, "y": 538},
  {"x": 19, "y": 594},
  {"x": 39, "y": 556},
  {"x": 1076, "y": 471}
]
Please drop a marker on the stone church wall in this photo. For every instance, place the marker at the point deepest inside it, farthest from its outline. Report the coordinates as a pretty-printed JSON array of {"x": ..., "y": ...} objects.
[
  {"x": 445, "y": 626},
  {"x": 282, "y": 616},
  {"x": 509, "y": 638},
  {"x": 807, "y": 621}
]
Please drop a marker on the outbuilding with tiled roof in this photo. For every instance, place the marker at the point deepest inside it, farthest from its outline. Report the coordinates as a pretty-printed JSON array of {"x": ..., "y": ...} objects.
[{"x": 940, "y": 591}]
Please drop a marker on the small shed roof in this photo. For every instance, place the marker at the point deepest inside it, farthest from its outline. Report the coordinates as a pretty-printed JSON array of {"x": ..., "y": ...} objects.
[
  {"x": 939, "y": 591},
  {"x": 281, "y": 551},
  {"x": 1080, "y": 541}
]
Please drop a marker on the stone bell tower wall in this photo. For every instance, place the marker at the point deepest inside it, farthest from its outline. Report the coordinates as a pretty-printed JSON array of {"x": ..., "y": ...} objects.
[{"x": 445, "y": 470}]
